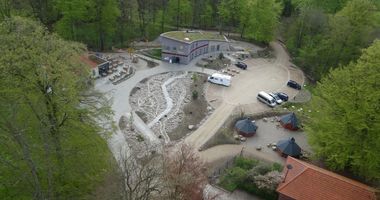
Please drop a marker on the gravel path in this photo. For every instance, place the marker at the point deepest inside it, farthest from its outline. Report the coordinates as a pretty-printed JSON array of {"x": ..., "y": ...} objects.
[
  {"x": 241, "y": 92},
  {"x": 169, "y": 101}
]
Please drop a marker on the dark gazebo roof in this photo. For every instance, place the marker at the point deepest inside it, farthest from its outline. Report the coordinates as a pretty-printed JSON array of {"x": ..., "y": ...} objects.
[
  {"x": 289, "y": 147},
  {"x": 290, "y": 121},
  {"x": 246, "y": 126}
]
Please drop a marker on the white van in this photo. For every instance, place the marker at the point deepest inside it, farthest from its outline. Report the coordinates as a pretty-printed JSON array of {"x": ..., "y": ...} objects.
[
  {"x": 220, "y": 79},
  {"x": 266, "y": 98}
]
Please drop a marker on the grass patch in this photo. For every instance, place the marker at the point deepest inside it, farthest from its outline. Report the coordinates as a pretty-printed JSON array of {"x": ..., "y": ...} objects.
[
  {"x": 153, "y": 53},
  {"x": 193, "y": 35}
]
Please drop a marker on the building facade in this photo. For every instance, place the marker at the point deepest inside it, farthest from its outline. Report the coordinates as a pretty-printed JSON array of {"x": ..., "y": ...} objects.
[{"x": 183, "y": 46}]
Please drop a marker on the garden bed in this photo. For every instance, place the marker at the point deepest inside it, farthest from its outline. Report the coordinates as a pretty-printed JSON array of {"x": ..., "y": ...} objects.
[{"x": 252, "y": 176}]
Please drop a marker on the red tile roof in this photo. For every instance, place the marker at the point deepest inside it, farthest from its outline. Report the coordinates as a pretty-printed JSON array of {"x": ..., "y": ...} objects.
[
  {"x": 85, "y": 59},
  {"x": 308, "y": 182}
]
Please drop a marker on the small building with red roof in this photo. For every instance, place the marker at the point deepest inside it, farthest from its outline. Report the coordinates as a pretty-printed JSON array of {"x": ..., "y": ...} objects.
[
  {"x": 304, "y": 181},
  {"x": 98, "y": 65}
]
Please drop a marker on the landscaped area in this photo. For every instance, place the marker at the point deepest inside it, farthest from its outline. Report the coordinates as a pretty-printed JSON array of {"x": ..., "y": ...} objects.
[
  {"x": 253, "y": 176},
  {"x": 190, "y": 100}
]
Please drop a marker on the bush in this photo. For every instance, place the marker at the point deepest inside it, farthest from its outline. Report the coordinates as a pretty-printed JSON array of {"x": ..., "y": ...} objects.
[
  {"x": 260, "y": 169},
  {"x": 277, "y": 167},
  {"x": 234, "y": 177},
  {"x": 245, "y": 163},
  {"x": 221, "y": 56},
  {"x": 195, "y": 94},
  {"x": 253, "y": 189},
  {"x": 268, "y": 181}
]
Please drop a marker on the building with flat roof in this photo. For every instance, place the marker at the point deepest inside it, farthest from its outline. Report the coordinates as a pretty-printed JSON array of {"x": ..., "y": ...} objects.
[
  {"x": 99, "y": 66},
  {"x": 183, "y": 46}
]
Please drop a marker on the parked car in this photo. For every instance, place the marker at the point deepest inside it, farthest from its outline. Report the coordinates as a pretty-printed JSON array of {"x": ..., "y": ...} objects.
[
  {"x": 282, "y": 96},
  {"x": 293, "y": 84},
  {"x": 276, "y": 98},
  {"x": 241, "y": 65}
]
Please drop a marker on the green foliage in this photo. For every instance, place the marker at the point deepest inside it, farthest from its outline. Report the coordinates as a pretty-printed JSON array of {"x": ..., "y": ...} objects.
[
  {"x": 253, "y": 189},
  {"x": 245, "y": 163},
  {"x": 181, "y": 12},
  {"x": 79, "y": 17},
  {"x": 260, "y": 169},
  {"x": 239, "y": 177},
  {"x": 233, "y": 178},
  {"x": 195, "y": 94},
  {"x": 277, "y": 167},
  {"x": 344, "y": 130},
  {"x": 52, "y": 147},
  {"x": 260, "y": 19},
  {"x": 320, "y": 42}
]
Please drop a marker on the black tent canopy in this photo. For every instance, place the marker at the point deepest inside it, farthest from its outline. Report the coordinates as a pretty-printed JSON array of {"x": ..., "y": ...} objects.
[{"x": 289, "y": 147}]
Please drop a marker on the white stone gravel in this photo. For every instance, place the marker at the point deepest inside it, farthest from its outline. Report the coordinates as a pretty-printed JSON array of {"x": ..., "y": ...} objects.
[{"x": 150, "y": 99}]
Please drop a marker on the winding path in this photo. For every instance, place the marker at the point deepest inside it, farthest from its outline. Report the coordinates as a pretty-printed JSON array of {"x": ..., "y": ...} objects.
[
  {"x": 169, "y": 101},
  {"x": 261, "y": 75}
]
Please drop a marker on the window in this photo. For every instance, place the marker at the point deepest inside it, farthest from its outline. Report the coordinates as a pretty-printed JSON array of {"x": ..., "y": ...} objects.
[
  {"x": 181, "y": 47},
  {"x": 167, "y": 48},
  {"x": 218, "y": 47},
  {"x": 174, "y": 48}
]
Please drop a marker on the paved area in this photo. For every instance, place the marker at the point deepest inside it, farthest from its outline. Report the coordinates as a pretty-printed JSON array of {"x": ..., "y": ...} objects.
[{"x": 261, "y": 75}]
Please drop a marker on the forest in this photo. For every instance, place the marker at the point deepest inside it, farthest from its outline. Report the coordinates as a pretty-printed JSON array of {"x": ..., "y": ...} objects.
[{"x": 49, "y": 115}]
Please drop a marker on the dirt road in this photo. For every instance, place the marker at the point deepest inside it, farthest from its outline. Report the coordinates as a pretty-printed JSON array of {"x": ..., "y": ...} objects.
[{"x": 261, "y": 75}]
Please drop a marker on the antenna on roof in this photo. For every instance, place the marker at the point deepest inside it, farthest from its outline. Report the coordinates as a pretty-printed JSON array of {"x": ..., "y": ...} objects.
[{"x": 288, "y": 167}]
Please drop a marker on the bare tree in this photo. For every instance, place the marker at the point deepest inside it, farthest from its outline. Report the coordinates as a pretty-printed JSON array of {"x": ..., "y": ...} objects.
[
  {"x": 184, "y": 174},
  {"x": 141, "y": 177}
]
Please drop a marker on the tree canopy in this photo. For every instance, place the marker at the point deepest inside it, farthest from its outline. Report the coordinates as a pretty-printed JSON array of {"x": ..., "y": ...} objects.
[
  {"x": 50, "y": 136},
  {"x": 345, "y": 123},
  {"x": 326, "y": 34}
]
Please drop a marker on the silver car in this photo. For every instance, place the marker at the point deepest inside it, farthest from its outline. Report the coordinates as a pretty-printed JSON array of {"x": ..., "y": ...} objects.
[{"x": 276, "y": 98}]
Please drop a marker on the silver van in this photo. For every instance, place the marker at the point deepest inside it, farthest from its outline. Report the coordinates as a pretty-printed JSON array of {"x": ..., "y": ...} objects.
[{"x": 266, "y": 98}]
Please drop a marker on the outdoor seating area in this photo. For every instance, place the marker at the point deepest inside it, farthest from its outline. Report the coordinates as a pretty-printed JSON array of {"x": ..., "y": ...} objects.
[
  {"x": 230, "y": 71},
  {"x": 117, "y": 69}
]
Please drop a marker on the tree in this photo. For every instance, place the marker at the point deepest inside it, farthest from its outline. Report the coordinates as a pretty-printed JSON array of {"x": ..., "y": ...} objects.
[
  {"x": 320, "y": 42},
  {"x": 344, "y": 130},
  {"x": 141, "y": 178},
  {"x": 49, "y": 117},
  {"x": 184, "y": 174},
  {"x": 262, "y": 20}
]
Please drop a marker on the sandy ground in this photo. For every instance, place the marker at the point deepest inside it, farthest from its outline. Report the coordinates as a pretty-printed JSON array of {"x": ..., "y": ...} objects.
[{"x": 261, "y": 75}]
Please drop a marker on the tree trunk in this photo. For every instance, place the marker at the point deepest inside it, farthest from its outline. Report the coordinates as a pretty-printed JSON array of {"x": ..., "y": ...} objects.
[{"x": 178, "y": 6}]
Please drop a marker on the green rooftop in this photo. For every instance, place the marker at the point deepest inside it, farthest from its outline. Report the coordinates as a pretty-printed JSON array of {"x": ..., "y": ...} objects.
[{"x": 193, "y": 36}]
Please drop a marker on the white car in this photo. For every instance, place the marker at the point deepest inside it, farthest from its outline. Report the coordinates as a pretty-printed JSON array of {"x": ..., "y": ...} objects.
[{"x": 276, "y": 98}]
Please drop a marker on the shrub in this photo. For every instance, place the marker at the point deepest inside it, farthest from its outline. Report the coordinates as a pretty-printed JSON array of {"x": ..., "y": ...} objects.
[
  {"x": 277, "y": 167},
  {"x": 233, "y": 178},
  {"x": 268, "y": 181},
  {"x": 260, "y": 169},
  {"x": 221, "y": 56},
  {"x": 195, "y": 94},
  {"x": 246, "y": 164}
]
